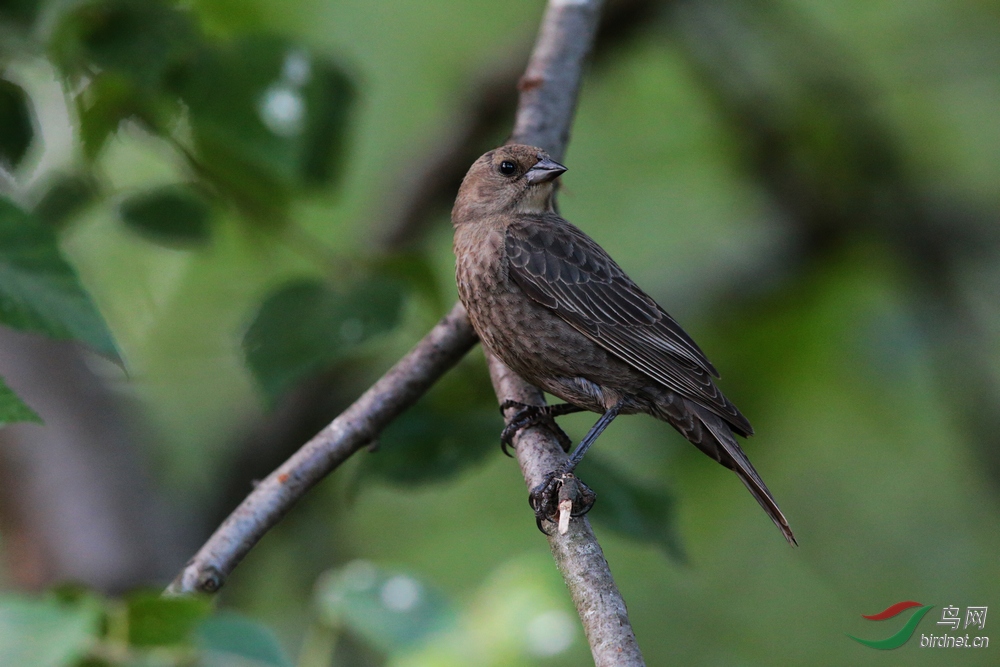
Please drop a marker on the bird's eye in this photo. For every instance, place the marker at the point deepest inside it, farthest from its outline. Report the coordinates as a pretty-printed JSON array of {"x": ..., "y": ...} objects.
[{"x": 507, "y": 168}]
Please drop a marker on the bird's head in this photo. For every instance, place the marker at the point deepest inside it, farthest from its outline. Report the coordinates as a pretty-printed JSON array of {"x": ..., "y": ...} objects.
[{"x": 509, "y": 179}]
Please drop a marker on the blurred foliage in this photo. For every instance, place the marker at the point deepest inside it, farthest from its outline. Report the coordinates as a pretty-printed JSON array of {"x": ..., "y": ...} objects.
[
  {"x": 13, "y": 409},
  {"x": 810, "y": 187},
  {"x": 76, "y": 628},
  {"x": 307, "y": 325},
  {"x": 172, "y": 215},
  {"x": 392, "y": 611},
  {"x": 39, "y": 290},
  {"x": 16, "y": 131},
  {"x": 22, "y": 12},
  {"x": 400, "y": 620},
  {"x": 643, "y": 513},
  {"x": 264, "y": 117},
  {"x": 514, "y": 618},
  {"x": 65, "y": 197},
  {"x": 431, "y": 443}
]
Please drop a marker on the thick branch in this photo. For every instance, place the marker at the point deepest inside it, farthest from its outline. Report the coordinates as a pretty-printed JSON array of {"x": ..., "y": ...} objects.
[
  {"x": 577, "y": 554},
  {"x": 551, "y": 83},
  {"x": 547, "y": 103},
  {"x": 357, "y": 426}
]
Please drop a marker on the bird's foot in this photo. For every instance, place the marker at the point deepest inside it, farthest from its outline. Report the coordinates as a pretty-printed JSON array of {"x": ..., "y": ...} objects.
[
  {"x": 560, "y": 496},
  {"x": 533, "y": 415}
]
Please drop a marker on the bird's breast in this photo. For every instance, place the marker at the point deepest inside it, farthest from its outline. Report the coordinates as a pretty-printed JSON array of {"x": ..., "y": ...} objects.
[{"x": 527, "y": 337}]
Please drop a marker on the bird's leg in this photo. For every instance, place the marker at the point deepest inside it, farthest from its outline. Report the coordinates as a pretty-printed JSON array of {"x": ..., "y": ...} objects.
[
  {"x": 546, "y": 498},
  {"x": 530, "y": 415}
]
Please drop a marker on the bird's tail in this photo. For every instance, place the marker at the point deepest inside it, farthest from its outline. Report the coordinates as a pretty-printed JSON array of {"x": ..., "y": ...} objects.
[{"x": 722, "y": 447}]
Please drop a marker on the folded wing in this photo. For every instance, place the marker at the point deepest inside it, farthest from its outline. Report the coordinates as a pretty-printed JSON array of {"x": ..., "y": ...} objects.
[{"x": 563, "y": 269}]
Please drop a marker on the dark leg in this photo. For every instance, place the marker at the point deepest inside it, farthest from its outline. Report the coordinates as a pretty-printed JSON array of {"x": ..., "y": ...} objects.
[
  {"x": 595, "y": 431},
  {"x": 529, "y": 415},
  {"x": 544, "y": 498}
]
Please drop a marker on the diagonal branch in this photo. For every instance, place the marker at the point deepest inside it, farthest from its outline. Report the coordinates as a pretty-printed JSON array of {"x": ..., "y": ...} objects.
[{"x": 356, "y": 427}]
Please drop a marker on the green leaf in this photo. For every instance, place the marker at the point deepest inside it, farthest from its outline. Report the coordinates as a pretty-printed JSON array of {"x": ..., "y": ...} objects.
[
  {"x": 268, "y": 117},
  {"x": 66, "y": 196},
  {"x": 39, "y": 290},
  {"x": 16, "y": 126},
  {"x": 129, "y": 52},
  {"x": 641, "y": 513},
  {"x": 44, "y": 632},
  {"x": 154, "y": 620},
  {"x": 172, "y": 215},
  {"x": 13, "y": 409},
  {"x": 107, "y": 100},
  {"x": 430, "y": 444},
  {"x": 392, "y": 611},
  {"x": 229, "y": 640},
  {"x": 22, "y": 12},
  {"x": 306, "y": 325},
  {"x": 328, "y": 97},
  {"x": 145, "y": 41}
]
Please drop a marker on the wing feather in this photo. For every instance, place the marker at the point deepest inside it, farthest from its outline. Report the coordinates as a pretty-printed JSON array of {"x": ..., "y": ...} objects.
[{"x": 563, "y": 269}]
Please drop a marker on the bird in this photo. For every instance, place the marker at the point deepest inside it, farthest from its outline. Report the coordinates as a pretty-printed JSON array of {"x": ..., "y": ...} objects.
[{"x": 557, "y": 310}]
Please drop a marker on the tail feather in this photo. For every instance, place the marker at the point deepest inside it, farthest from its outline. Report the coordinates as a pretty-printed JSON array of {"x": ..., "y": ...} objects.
[{"x": 727, "y": 451}]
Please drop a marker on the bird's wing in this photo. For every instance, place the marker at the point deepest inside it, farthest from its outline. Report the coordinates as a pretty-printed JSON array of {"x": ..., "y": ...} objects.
[{"x": 563, "y": 269}]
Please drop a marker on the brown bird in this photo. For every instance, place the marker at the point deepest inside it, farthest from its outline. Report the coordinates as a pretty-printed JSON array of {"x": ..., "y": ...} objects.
[{"x": 554, "y": 307}]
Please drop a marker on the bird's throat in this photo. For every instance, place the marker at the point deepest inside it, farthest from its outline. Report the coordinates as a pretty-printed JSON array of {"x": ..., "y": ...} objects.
[{"x": 537, "y": 199}]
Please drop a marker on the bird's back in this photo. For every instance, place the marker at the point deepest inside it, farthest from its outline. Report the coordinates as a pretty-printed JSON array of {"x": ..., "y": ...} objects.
[{"x": 562, "y": 269}]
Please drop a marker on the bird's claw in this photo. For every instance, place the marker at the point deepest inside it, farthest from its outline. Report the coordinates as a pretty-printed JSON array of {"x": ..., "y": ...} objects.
[
  {"x": 556, "y": 488},
  {"x": 530, "y": 415}
]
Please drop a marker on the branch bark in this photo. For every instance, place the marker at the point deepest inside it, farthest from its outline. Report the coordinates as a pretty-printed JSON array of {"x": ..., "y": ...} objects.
[
  {"x": 356, "y": 427},
  {"x": 549, "y": 90}
]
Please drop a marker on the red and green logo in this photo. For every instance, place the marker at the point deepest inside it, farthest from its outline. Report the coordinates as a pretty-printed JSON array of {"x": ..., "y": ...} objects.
[{"x": 904, "y": 634}]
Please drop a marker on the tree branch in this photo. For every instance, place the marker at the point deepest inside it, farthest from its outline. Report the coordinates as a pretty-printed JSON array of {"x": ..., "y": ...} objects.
[
  {"x": 356, "y": 427},
  {"x": 549, "y": 90},
  {"x": 577, "y": 553}
]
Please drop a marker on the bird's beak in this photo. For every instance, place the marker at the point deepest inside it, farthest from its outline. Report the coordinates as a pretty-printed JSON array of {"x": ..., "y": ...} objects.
[{"x": 544, "y": 171}]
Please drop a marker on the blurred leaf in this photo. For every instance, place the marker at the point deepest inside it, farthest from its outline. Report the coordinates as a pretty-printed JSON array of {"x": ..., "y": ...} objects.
[
  {"x": 417, "y": 271},
  {"x": 71, "y": 593},
  {"x": 228, "y": 640},
  {"x": 39, "y": 290},
  {"x": 154, "y": 620},
  {"x": 144, "y": 41},
  {"x": 13, "y": 409},
  {"x": 16, "y": 128},
  {"x": 92, "y": 661},
  {"x": 641, "y": 513},
  {"x": 22, "y": 12},
  {"x": 391, "y": 611},
  {"x": 107, "y": 100},
  {"x": 267, "y": 117},
  {"x": 171, "y": 215},
  {"x": 129, "y": 51},
  {"x": 328, "y": 96},
  {"x": 429, "y": 444},
  {"x": 306, "y": 325},
  {"x": 44, "y": 632},
  {"x": 66, "y": 196}
]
